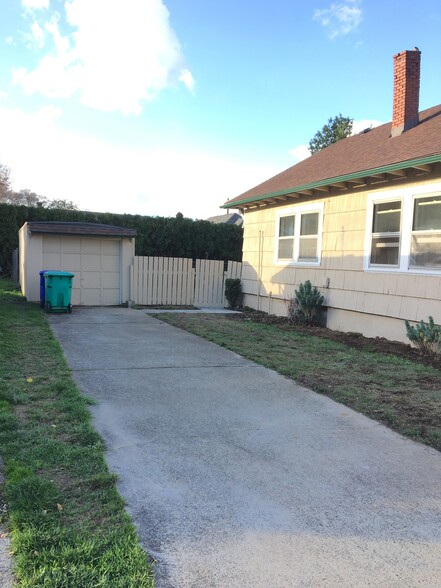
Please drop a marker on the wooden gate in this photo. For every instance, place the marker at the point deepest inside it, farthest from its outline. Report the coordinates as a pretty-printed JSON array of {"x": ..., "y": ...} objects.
[{"x": 172, "y": 281}]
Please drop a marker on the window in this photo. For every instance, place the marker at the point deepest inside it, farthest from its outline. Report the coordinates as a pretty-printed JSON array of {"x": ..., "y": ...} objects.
[
  {"x": 425, "y": 248},
  {"x": 404, "y": 233},
  {"x": 299, "y": 235},
  {"x": 308, "y": 236},
  {"x": 286, "y": 237},
  {"x": 386, "y": 226}
]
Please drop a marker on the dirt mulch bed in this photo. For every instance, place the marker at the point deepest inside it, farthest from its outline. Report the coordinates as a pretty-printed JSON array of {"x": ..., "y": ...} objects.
[{"x": 354, "y": 340}]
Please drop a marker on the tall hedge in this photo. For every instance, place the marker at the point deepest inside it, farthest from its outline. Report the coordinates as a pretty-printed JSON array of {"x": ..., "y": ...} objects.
[{"x": 166, "y": 237}]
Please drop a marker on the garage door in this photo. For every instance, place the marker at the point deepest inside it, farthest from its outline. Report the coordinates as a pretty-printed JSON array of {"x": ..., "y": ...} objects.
[{"x": 95, "y": 263}]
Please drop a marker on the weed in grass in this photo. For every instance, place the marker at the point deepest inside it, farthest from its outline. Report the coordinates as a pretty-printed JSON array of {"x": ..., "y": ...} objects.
[
  {"x": 66, "y": 559},
  {"x": 10, "y": 392},
  {"x": 8, "y": 423},
  {"x": 389, "y": 415},
  {"x": 104, "y": 480},
  {"x": 433, "y": 438},
  {"x": 10, "y": 291},
  {"x": 4, "y": 407},
  {"x": 31, "y": 498}
]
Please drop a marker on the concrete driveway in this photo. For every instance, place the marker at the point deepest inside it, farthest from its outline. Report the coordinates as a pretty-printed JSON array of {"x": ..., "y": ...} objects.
[{"x": 238, "y": 478}]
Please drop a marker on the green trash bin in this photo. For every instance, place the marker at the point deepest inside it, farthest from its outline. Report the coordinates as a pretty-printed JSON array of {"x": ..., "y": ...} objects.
[{"x": 58, "y": 290}]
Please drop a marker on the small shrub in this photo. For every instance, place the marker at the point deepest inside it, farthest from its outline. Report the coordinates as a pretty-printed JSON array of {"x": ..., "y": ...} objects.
[
  {"x": 305, "y": 307},
  {"x": 233, "y": 291},
  {"x": 426, "y": 336}
]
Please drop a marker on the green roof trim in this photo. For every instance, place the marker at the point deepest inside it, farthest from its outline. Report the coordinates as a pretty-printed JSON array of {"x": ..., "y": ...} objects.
[{"x": 353, "y": 176}]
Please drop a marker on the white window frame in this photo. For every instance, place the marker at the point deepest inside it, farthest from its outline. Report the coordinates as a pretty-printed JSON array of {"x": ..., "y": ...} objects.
[
  {"x": 407, "y": 197},
  {"x": 385, "y": 234},
  {"x": 297, "y": 211}
]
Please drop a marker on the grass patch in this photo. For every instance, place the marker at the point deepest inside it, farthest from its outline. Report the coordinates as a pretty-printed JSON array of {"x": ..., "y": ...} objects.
[
  {"x": 67, "y": 521},
  {"x": 395, "y": 388},
  {"x": 10, "y": 291}
]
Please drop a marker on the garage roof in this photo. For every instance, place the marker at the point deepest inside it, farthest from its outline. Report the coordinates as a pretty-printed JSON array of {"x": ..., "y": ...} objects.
[{"x": 73, "y": 228}]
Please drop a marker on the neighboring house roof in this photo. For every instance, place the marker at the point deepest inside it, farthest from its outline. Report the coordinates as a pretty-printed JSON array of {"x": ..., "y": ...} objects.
[
  {"x": 85, "y": 229},
  {"x": 368, "y": 157},
  {"x": 229, "y": 219}
]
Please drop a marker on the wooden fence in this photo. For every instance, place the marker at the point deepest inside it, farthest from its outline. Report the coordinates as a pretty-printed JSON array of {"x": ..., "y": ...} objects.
[{"x": 173, "y": 281}]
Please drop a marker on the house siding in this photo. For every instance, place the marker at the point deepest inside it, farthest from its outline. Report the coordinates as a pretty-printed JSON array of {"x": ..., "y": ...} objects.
[{"x": 374, "y": 303}]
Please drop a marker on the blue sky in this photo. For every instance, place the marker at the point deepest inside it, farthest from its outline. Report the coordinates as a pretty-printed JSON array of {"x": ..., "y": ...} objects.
[{"x": 164, "y": 106}]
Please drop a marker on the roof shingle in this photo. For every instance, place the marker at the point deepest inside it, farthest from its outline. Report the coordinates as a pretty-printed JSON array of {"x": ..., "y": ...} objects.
[
  {"x": 356, "y": 154},
  {"x": 78, "y": 228}
]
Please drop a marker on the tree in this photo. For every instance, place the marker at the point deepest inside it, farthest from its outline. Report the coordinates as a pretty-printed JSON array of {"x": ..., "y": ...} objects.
[
  {"x": 337, "y": 128},
  {"x": 61, "y": 204},
  {"x": 4, "y": 182},
  {"x": 28, "y": 198},
  {"x": 25, "y": 197}
]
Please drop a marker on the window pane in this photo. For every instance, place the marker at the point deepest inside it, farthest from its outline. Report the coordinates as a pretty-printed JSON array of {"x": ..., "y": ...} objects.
[
  {"x": 286, "y": 249},
  {"x": 385, "y": 250},
  {"x": 387, "y": 217},
  {"x": 426, "y": 250},
  {"x": 427, "y": 214},
  {"x": 286, "y": 227},
  {"x": 309, "y": 224},
  {"x": 308, "y": 249}
]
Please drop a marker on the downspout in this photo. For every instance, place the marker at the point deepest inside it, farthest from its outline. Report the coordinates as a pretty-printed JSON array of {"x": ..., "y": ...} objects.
[
  {"x": 121, "y": 249},
  {"x": 259, "y": 268}
]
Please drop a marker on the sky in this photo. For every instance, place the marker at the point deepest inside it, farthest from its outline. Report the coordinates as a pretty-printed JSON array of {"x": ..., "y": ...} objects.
[{"x": 156, "y": 107}]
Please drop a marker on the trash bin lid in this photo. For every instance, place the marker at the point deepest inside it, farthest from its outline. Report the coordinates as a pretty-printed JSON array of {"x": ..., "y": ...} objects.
[{"x": 59, "y": 273}]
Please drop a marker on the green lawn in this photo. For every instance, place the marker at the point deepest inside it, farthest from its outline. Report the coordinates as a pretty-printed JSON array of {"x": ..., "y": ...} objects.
[
  {"x": 67, "y": 521},
  {"x": 402, "y": 392}
]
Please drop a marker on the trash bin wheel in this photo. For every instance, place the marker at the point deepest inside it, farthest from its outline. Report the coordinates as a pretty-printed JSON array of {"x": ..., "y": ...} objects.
[
  {"x": 47, "y": 306},
  {"x": 69, "y": 308}
]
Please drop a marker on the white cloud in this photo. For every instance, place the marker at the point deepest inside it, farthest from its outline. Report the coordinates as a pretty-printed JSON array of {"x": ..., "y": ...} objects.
[
  {"x": 99, "y": 176},
  {"x": 365, "y": 123},
  {"x": 300, "y": 152},
  {"x": 187, "y": 79},
  {"x": 119, "y": 55},
  {"x": 35, "y": 4},
  {"x": 340, "y": 18},
  {"x": 37, "y": 34}
]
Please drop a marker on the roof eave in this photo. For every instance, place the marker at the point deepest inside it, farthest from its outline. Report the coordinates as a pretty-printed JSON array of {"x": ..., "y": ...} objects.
[
  {"x": 113, "y": 234},
  {"x": 296, "y": 191}
]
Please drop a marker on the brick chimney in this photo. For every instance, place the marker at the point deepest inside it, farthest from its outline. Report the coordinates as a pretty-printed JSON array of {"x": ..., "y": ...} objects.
[{"x": 406, "y": 91}]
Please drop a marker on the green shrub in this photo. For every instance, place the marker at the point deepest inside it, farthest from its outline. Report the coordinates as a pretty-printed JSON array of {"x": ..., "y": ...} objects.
[
  {"x": 426, "y": 336},
  {"x": 158, "y": 236},
  {"x": 305, "y": 307},
  {"x": 233, "y": 291}
]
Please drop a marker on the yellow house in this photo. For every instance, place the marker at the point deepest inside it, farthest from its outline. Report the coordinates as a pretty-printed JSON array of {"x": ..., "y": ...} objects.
[{"x": 360, "y": 219}]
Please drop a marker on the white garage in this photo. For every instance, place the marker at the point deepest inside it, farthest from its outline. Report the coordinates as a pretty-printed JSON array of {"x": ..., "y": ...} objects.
[{"x": 100, "y": 256}]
